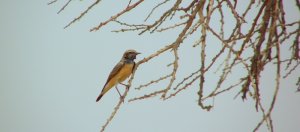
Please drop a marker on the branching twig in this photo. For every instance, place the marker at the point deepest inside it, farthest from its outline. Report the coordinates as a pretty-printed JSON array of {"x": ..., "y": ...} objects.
[
  {"x": 82, "y": 14},
  {"x": 153, "y": 81},
  {"x": 127, "y": 9},
  {"x": 120, "y": 101},
  {"x": 250, "y": 45}
]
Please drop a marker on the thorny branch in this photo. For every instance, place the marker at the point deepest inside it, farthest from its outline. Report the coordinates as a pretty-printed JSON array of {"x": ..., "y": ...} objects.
[
  {"x": 120, "y": 101},
  {"x": 257, "y": 39}
]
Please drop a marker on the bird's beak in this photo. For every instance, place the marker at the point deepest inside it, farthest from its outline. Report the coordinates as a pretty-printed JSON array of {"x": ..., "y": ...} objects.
[{"x": 137, "y": 53}]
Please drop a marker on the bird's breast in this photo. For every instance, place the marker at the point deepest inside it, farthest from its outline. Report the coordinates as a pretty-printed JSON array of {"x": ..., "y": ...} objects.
[{"x": 125, "y": 72}]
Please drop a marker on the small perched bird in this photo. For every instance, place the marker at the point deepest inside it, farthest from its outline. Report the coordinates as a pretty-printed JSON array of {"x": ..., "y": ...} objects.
[{"x": 120, "y": 72}]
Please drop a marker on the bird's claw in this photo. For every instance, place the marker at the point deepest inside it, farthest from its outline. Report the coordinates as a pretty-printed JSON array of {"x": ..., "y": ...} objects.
[{"x": 122, "y": 98}]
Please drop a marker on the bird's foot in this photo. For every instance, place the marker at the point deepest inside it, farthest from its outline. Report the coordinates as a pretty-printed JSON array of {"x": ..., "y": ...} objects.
[{"x": 122, "y": 98}]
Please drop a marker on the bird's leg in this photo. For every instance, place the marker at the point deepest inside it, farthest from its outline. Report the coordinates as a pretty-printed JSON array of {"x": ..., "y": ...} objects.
[
  {"x": 121, "y": 97},
  {"x": 118, "y": 91}
]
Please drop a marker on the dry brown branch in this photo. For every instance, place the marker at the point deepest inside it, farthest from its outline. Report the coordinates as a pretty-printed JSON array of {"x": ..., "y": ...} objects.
[
  {"x": 215, "y": 93},
  {"x": 185, "y": 79},
  {"x": 183, "y": 88},
  {"x": 127, "y": 9},
  {"x": 203, "y": 54},
  {"x": 147, "y": 95},
  {"x": 153, "y": 9},
  {"x": 255, "y": 41},
  {"x": 51, "y": 2},
  {"x": 171, "y": 27},
  {"x": 64, "y": 6},
  {"x": 121, "y": 101},
  {"x": 167, "y": 14},
  {"x": 291, "y": 70},
  {"x": 173, "y": 77},
  {"x": 298, "y": 84},
  {"x": 153, "y": 81},
  {"x": 82, "y": 14}
]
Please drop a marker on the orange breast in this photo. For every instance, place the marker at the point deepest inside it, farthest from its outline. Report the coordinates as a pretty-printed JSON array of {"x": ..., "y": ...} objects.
[{"x": 125, "y": 72}]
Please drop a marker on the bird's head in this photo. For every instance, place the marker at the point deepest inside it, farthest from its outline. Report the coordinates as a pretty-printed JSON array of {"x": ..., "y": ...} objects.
[{"x": 130, "y": 54}]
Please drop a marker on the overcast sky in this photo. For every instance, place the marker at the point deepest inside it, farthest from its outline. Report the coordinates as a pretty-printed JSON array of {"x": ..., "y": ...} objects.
[{"x": 50, "y": 77}]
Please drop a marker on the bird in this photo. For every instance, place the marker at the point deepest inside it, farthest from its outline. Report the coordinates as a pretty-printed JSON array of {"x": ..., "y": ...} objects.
[{"x": 120, "y": 72}]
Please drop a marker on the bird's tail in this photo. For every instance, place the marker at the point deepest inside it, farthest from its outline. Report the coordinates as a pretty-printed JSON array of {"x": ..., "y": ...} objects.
[
  {"x": 104, "y": 90},
  {"x": 99, "y": 97}
]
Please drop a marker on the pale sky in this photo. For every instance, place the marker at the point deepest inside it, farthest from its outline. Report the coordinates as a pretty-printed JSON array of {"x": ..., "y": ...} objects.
[{"x": 50, "y": 77}]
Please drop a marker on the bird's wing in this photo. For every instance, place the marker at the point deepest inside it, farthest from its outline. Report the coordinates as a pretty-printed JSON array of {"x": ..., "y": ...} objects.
[
  {"x": 113, "y": 73},
  {"x": 116, "y": 69}
]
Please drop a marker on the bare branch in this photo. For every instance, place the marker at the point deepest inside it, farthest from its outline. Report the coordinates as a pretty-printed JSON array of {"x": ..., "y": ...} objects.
[
  {"x": 127, "y": 9},
  {"x": 51, "y": 2},
  {"x": 153, "y": 81},
  {"x": 250, "y": 47},
  {"x": 153, "y": 9},
  {"x": 82, "y": 14},
  {"x": 64, "y": 7}
]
